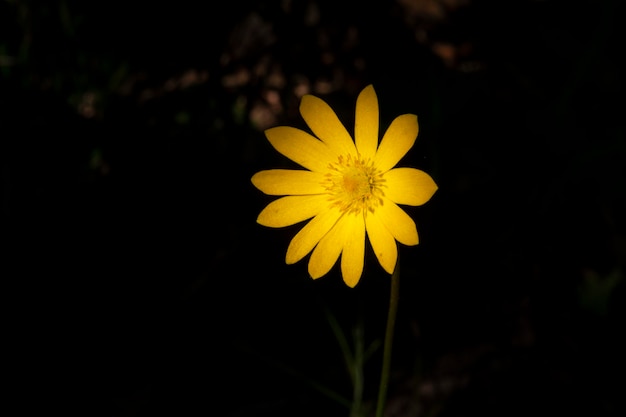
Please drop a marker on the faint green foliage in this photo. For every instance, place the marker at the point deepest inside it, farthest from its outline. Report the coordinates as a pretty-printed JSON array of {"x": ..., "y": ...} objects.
[
  {"x": 595, "y": 290},
  {"x": 6, "y": 60},
  {"x": 355, "y": 359},
  {"x": 240, "y": 110},
  {"x": 66, "y": 18},
  {"x": 182, "y": 117},
  {"x": 97, "y": 162}
]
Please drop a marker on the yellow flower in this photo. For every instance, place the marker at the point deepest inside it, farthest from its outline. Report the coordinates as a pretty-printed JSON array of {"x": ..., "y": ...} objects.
[{"x": 349, "y": 188}]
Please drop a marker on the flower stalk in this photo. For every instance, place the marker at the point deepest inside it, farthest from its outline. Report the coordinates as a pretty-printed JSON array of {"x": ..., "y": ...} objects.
[{"x": 394, "y": 295}]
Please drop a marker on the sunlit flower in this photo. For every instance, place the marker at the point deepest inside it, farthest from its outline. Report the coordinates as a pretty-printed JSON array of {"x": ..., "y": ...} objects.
[{"x": 349, "y": 188}]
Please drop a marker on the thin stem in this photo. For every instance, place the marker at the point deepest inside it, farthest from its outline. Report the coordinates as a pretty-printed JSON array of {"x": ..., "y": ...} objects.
[
  {"x": 391, "y": 320},
  {"x": 358, "y": 379},
  {"x": 343, "y": 343}
]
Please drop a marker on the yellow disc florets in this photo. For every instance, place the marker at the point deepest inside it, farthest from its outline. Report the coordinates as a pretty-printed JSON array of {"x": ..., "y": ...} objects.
[{"x": 354, "y": 185}]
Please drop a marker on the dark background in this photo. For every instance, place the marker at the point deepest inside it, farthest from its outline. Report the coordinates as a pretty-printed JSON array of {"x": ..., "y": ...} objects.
[{"x": 138, "y": 283}]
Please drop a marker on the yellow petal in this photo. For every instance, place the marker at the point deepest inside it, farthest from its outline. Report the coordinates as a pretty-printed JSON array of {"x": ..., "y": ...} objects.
[
  {"x": 291, "y": 210},
  {"x": 366, "y": 123},
  {"x": 326, "y": 125},
  {"x": 353, "y": 251},
  {"x": 398, "y": 139},
  {"x": 328, "y": 249},
  {"x": 400, "y": 225},
  {"x": 289, "y": 182},
  {"x": 301, "y": 147},
  {"x": 306, "y": 239},
  {"x": 409, "y": 186},
  {"x": 383, "y": 243}
]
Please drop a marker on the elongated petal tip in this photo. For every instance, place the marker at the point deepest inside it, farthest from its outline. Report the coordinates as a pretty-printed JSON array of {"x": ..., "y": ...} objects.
[
  {"x": 396, "y": 142},
  {"x": 351, "y": 279},
  {"x": 409, "y": 186},
  {"x": 366, "y": 123},
  {"x": 288, "y": 182},
  {"x": 324, "y": 123},
  {"x": 254, "y": 180}
]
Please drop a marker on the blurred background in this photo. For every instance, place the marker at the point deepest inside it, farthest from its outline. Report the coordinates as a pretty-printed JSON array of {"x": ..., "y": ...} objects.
[{"x": 139, "y": 284}]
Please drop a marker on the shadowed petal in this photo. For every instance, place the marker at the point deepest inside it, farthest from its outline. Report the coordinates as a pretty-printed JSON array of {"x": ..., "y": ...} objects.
[
  {"x": 306, "y": 239},
  {"x": 291, "y": 210},
  {"x": 301, "y": 147},
  {"x": 383, "y": 243},
  {"x": 398, "y": 139},
  {"x": 399, "y": 224},
  {"x": 353, "y": 251},
  {"x": 409, "y": 186},
  {"x": 328, "y": 249},
  {"x": 326, "y": 125},
  {"x": 366, "y": 123},
  {"x": 289, "y": 182}
]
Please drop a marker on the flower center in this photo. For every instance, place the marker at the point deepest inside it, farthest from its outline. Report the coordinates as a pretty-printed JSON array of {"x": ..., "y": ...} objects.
[{"x": 354, "y": 185}]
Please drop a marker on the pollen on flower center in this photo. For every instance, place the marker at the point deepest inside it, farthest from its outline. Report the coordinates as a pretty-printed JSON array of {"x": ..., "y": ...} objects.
[{"x": 354, "y": 185}]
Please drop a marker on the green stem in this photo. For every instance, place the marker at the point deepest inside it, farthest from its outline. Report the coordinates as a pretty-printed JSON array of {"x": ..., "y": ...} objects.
[
  {"x": 391, "y": 320},
  {"x": 358, "y": 379}
]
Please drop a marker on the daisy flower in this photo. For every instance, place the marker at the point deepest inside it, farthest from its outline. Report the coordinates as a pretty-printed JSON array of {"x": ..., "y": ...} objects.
[{"x": 349, "y": 189}]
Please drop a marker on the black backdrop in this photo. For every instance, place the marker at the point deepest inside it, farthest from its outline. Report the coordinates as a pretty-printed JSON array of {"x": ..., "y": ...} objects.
[{"x": 138, "y": 282}]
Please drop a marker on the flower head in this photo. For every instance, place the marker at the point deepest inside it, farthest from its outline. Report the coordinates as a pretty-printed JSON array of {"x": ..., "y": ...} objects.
[{"x": 348, "y": 189}]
